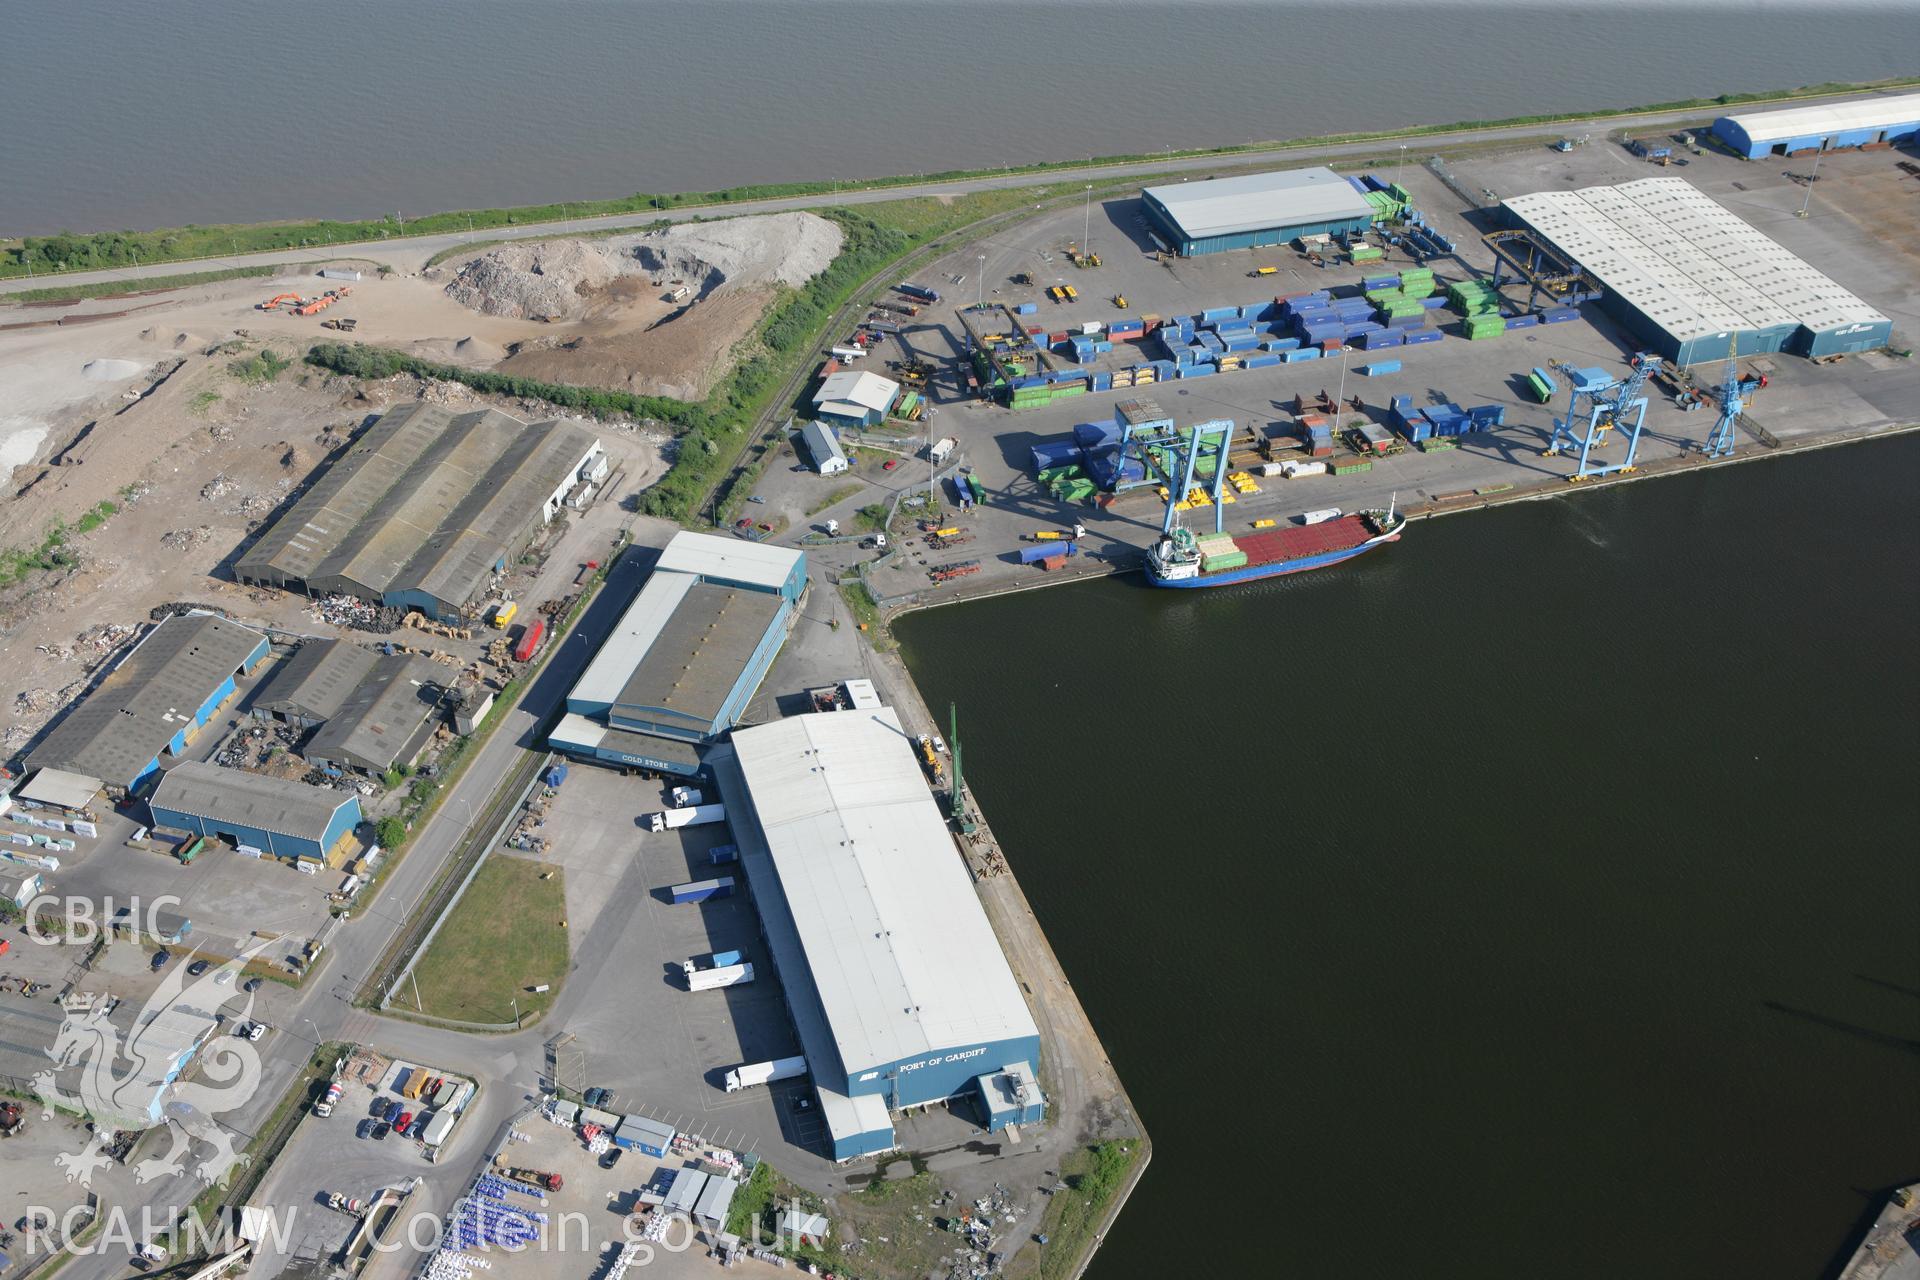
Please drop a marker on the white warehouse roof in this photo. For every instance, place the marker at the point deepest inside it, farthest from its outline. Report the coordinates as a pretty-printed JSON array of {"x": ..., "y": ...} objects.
[
  {"x": 631, "y": 639},
  {"x": 868, "y": 391},
  {"x": 902, "y": 955},
  {"x": 1818, "y": 121},
  {"x": 1687, "y": 262},
  {"x": 1227, "y": 206},
  {"x": 754, "y": 563}
]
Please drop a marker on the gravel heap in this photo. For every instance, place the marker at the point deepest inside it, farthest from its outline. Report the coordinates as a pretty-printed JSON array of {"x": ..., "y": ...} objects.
[{"x": 563, "y": 279}]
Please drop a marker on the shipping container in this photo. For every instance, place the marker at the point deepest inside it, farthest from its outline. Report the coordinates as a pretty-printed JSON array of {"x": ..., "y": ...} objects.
[
  {"x": 556, "y": 775},
  {"x": 1044, "y": 550},
  {"x": 701, "y": 890},
  {"x": 722, "y": 854},
  {"x": 530, "y": 637}
]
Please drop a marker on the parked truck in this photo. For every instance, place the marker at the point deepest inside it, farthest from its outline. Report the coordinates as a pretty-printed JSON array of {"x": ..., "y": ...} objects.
[
  {"x": 686, "y": 797},
  {"x": 731, "y": 975},
  {"x": 701, "y": 890},
  {"x": 718, "y": 960},
  {"x": 917, "y": 291},
  {"x": 534, "y": 1177},
  {"x": 747, "y": 1075},
  {"x": 692, "y": 816}
]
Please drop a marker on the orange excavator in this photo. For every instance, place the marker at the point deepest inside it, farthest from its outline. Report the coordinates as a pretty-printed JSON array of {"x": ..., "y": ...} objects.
[
  {"x": 273, "y": 303},
  {"x": 313, "y": 306}
]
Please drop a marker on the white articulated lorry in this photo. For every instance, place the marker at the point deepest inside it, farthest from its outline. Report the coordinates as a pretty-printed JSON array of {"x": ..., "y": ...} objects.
[
  {"x": 750, "y": 1074},
  {"x": 726, "y": 975},
  {"x": 693, "y": 816}
]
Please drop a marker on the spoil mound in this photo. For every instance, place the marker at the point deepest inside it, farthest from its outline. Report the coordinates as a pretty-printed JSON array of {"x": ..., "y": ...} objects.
[
  {"x": 479, "y": 349},
  {"x": 780, "y": 248},
  {"x": 112, "y": 370},
  {"x": 575, "y": 279}
]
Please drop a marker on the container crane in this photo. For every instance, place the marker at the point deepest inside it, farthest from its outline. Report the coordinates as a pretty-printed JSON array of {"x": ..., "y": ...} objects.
[
  {"x": 1611, "y": 402},
  {"x": 1734, "y": 392}
]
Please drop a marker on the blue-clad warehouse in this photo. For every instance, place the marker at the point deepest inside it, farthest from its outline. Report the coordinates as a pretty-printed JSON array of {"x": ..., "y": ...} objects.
[
  {"x": 154, "y": 702},
  {"x": 686, "y": 657},
  {"x": 896, "y": 984},
  {"x": 1260, "y": 209},
  {"x": 1693, "y": 281},
  {"x": 255, "y": 813},
  {"x": 1863, "y": 122}
]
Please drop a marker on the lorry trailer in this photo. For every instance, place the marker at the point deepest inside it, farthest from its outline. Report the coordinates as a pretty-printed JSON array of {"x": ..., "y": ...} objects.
[
  {"x": 916, "y": 291},
  {"x": 718, "y": 960},
  {"x": 732, "y": 975},
  {"x": 702, "y": 890},
  {"x": 747, "y": 1075},
  {"x": 690, "y": 816}
]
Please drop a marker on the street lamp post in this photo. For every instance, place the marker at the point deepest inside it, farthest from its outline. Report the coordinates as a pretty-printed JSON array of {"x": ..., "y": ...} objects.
[
  {"x": 1808, "y": 202},
  {"x": 1342, "y": 398},
  {"x": 980, "y": 284}
]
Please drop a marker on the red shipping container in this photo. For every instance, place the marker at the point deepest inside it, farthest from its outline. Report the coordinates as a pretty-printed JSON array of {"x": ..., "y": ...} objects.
[
  {"x": 529, "y": 640},
  {"x": 1054, "y": 562},
  {"x": 1331, "y": 348}
]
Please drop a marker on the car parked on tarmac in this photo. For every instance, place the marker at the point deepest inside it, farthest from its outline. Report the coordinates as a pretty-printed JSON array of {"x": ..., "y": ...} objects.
[
  {"x": 364, "y": 1129},
  {"x": 380, "y": 1131},
  {"x": 160, "y": 959},
  {"x": 197, "y": 968}
]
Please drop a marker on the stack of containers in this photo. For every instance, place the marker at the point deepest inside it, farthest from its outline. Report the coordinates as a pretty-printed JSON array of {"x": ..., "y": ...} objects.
[
  {"x": 1484, "y": 326},
  {"x": 1365, "y": 253},
  {"x": 1319, "y": 434},
  {"x": 1407, "y": 420},
  {"x": 1217, "y": 552},
  {"x": 1473, "y": 297},
  {"x": 1416, "y": 282}
]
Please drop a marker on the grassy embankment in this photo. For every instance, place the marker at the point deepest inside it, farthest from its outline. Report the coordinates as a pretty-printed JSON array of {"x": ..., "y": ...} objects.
[
  {"x": 504, "y": 937},
  {"x": 133, "y": 288},
  {"x": 1094, "y": 1176},
  {"x": 18, "y": 563},
  {"x": 74, "y": 252},
  {"x": 711, "y": 433}
]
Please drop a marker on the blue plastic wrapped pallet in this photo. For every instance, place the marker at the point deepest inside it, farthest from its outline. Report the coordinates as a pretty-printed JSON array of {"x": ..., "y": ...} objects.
[
  {"x": 1379, "y": 367},
  {"x": 1557, "y": 315},
  {"x": 1026, "y": 308},
  {"x": 1417, "y": 336},
  {"x": 1522, "y": 322},
  {"x": 1299, "y": 354}
]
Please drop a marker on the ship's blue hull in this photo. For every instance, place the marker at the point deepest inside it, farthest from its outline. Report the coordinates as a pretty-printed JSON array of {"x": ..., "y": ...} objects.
[{"x": 1255, "y": 572}]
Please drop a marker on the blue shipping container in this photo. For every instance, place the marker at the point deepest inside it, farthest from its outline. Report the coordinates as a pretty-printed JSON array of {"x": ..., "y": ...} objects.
[
  {"x": 1558, "y": 315},
  {"x": 1379, "y": 367},
  {"x": 1416, "y": 336},
  {"x": 1522, "y": 322},
  {"x": 1302, "y": 353},
  {"x": 702, "y": 890},
  {"x": 721, "y": 854},
  {"x": 1046, "y": 550}
]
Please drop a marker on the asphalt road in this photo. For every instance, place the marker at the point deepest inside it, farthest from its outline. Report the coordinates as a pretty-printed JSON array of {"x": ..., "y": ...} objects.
[{"x": 411, "y": 254}]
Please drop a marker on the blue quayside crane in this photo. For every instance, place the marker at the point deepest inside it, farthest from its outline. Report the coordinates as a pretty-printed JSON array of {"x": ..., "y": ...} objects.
[
  {"x": 1219, "y": 435},
  {"x": 1734, "y": 392},
  {"x": 1611, "y": 402}
]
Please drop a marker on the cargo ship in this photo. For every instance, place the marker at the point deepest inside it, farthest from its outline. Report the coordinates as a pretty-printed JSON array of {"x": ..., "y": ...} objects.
[{"x": 1180, "y": 559}]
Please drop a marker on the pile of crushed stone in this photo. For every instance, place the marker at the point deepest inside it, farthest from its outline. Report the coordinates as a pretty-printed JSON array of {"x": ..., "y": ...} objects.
[{"x": 565, "y": 279}]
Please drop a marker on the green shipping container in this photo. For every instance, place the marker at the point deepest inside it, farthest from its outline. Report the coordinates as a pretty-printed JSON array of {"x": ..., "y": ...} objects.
[
  {"x": 1213, "y": 564},
  {"x": 1436, "y": 444}
]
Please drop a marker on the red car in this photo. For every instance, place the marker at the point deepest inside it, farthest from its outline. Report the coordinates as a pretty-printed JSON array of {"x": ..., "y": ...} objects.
[
  {"x": 890, "y": 464},
  {"x": 401, "y": 1121}
]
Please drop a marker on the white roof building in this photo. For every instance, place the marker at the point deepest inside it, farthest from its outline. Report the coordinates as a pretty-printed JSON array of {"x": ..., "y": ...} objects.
[
  {"x": 1259, "y": 202},
  {"x": 1691, "y": 267},
  {"x": 752, "y": 564},
  {"x": 1789, "y": 124},
  {"x": 850, "y": 394},
  {"x": 905, "y": 963}
]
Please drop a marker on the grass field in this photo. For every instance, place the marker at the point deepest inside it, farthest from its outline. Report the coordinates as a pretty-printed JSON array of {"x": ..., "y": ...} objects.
[{"x": 503, "y": 938}]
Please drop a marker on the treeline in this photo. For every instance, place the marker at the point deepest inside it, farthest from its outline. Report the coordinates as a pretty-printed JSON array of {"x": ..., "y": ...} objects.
[{"x": 709, "y": 433}]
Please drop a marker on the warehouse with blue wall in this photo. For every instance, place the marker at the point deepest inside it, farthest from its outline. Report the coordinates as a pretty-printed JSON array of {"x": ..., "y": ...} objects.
[
  {"x": 256, "y": 813},
  {"x": 1254, "y": 211},
  {"x": 1865, "y": 122}
]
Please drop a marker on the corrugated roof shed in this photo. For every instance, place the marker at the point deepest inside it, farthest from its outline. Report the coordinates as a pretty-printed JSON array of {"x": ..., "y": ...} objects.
[
  {"x": 425, "y": 501},
  {"x": 1687, "y": 262},
  {"x": 250, "y": 800},
  {"x": 316, "y": 680},
  {"x": 900, "y": 949},
  {"x": 1227, "y": 206},
  {"x": 1790, "y": 123},
  {"x": 381, "y": 715},
  {"x": 700, "y": 651},
  {"x": 868, "y": 391},
  {"x": 151, "y": 696},
  {"x": 823, "y": 446}
]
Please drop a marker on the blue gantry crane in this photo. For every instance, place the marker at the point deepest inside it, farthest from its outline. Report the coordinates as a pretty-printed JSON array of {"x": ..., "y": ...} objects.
[
  {"x": 1211, "y": 437},
  {"x": 1610, "y": 402},
  {"x": 1734, "y": 393}
]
